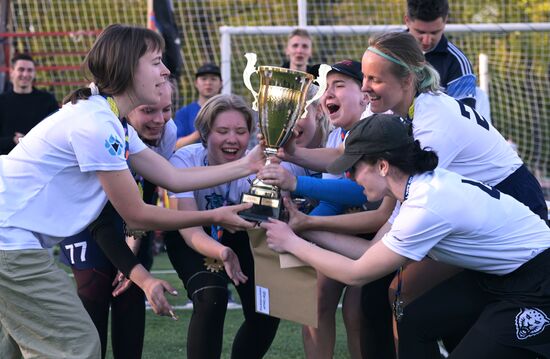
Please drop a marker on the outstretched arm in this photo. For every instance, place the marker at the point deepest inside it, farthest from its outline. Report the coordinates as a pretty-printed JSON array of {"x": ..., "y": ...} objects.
[
  {"x": 122, "y": 191},
  {"x": 316, "y": 159},
  {"x": 159, "y": 171},
  {"x": 341, "y": 191},
  {"x": 197, "y": 239},
  {"x": 375, "y": 263},
  {"x": 353, "y": 223},
  {"x": 349, "y": 246},
  {"x": 104, "y": 230}
]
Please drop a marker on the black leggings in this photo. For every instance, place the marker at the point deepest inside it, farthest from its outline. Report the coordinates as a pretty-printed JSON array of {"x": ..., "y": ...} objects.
[
  {"x": 377, "y": 335},
  {"x": 434, "y": 315},
  {"x": 94, "y": 288},
  {"x": 208, "y": 291}
]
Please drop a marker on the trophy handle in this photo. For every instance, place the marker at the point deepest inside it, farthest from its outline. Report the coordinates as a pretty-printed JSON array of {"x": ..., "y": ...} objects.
[
  {"x": 248, "y": 71},
  {"x": 322, "y": 81}
]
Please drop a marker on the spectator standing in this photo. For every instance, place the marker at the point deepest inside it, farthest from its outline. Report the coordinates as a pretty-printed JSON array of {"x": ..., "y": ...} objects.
[
  {"x": 22, "y": 107},
  {"x": 208, "y": 82},
  {"x": 426, "y": 20},
  {"x": 299, "y": 48}
]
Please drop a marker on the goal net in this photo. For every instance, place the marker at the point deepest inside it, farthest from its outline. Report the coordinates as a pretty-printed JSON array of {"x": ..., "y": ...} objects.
[
  {"x": 517, "y": 75},
  {"x": 59, "y": 32}
]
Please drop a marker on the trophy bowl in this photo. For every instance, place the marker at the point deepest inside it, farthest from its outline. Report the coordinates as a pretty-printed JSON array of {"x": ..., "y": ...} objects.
[{"x": 280, "y": 102}]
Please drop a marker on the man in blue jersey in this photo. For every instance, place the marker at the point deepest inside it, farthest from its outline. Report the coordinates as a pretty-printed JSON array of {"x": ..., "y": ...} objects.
[{"x": 425, "y": 20}]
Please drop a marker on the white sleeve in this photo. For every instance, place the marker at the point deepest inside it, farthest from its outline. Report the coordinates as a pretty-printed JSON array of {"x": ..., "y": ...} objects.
[
  {"x": 136, "y": 144},
  {"x": 436, "y": 132},
  {"x": 168, "y": 140},
  {"x": 395, "y": 212},
  {"x": 181, "y": 159},
  {"x": 98, "y": 143},
  {"x": 415, "y": 231},
  {"x": 294, "y": 169}
]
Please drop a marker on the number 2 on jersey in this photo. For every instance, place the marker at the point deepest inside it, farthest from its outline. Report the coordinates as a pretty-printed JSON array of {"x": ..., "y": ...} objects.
[{"x": 467, "y": 112}]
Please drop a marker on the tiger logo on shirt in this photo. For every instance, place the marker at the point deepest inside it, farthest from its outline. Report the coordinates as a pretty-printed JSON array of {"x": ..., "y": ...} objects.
[
  {"x": 213, "y": 201},
  {"x": 530, "y": 322}
]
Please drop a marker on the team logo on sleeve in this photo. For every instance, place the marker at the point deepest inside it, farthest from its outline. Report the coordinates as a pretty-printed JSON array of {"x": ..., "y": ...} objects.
[
  {"x": 114, "y": 146},
  {"x": 530, "y": 322}
]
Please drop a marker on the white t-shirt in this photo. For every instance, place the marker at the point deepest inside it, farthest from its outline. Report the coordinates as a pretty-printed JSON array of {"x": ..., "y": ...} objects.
[
  {"x": 167, "y": 141},
  {"x": 334, "y": 141},
  {"x": 300, "y": 171},
  {"x": 462, "y": 222},
  {"x": 195, "y": 155},
  {"x": 48, "y": 186},
  {"x": 464, "y": 142}
]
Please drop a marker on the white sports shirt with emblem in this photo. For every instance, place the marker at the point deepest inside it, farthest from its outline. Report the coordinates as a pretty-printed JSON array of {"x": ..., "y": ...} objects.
[
  {"x": 464, "y": 142},
  {"x": 334, "y": 140},
  {"x": 462, "y": 222},
  {"x": 168, "y": 140},
  {"x": 195, "y": 155},
  {"x": 48, "y": 186}
]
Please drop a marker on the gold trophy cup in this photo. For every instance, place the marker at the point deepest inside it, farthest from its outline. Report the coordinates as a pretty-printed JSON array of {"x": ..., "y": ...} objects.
[{"x": 280, "y": 102}]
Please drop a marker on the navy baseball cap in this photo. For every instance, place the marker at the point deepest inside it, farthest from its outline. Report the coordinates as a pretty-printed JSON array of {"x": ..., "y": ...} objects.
[
  {"x": 349, "y": 68},
  {"x": 374, "y": 134},
  {"x": 209, "y": 68}
]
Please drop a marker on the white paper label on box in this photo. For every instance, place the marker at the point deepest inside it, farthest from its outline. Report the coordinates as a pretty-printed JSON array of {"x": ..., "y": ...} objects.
[{"x": 262, "y": 300}]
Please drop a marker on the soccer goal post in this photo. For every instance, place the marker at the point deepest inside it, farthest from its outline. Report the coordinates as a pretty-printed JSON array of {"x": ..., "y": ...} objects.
[{"x": 514, "y": 69}]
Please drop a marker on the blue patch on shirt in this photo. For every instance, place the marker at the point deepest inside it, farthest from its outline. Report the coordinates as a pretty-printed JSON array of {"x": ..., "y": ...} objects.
[{"x": 114, "y": 146}]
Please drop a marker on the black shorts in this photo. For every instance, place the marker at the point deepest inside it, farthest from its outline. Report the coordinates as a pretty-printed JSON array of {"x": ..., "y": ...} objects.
[
  {"x": 524, "y": 187},
  {"x": 519, "y": 313}
]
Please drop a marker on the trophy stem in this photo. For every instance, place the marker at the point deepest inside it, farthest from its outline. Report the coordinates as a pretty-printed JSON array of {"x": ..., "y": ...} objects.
[{"x": 270, "y": 152}]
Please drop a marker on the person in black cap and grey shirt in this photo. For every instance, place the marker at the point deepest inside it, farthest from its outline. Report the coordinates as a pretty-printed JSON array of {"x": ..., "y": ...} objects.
[
  {"x": 453, "y": 219},
  {"x": 208, "y": 82}
]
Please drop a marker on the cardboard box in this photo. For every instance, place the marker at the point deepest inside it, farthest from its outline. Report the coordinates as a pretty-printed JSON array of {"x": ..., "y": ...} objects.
[{"x": 286, "y": 287}]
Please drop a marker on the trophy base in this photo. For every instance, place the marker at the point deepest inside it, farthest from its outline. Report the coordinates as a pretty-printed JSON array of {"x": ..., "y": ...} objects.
[{"x": 262, "y": 208}]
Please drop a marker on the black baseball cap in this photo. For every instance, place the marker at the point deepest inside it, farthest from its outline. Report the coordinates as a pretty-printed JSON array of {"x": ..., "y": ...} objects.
[
  {"x": 209, "y": 68},
  {"x": 374, "y": 134},
  {"x": 349, "y": 68}
]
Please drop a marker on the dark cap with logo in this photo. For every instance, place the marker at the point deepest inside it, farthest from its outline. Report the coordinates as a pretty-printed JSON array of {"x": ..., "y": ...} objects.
[
  {"x": 349, "y": 68},
  {"x": 374, "y": 134},
  {"x": 209, "y": 69}
]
